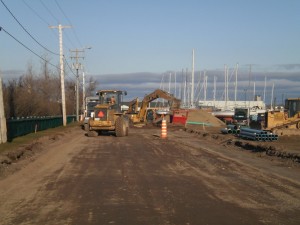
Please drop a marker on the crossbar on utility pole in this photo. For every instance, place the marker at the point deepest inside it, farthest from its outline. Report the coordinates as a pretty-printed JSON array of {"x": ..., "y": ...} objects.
[
  {"x": 62, "y": 75},
  {"x": 77, "y": 66}
]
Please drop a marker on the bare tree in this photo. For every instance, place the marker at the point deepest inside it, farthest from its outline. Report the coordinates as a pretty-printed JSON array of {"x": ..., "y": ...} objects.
[
  {"x": 39, "y": 94},
  {"x": 91, "y": 88}
]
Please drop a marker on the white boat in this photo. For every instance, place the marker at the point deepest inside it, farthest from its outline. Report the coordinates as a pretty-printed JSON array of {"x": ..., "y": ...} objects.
[{"x": 223, "y": 113}]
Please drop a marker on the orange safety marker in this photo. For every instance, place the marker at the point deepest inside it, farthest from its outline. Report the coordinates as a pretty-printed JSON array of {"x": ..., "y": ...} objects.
[{"x": 164, "y": 129}]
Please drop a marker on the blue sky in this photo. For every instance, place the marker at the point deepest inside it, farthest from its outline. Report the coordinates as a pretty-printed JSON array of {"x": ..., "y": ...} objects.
[{"x": 131, "y": 38}]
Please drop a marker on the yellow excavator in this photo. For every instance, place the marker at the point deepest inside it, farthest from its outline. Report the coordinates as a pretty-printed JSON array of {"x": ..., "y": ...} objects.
[
  {"x": 141, "y": 115},
  {"x": 133, "y": 106}
]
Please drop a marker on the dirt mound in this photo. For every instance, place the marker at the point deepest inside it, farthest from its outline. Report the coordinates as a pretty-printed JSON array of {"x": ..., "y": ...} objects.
[{"x": 201, "y": 117}]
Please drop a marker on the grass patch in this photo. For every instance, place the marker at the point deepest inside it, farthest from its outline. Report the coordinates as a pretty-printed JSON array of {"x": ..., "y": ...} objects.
[{"x": 26, "y": 139}]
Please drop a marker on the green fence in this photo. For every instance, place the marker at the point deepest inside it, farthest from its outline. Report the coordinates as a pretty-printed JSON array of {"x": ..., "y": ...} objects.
[{"x": 19, "y": 127}]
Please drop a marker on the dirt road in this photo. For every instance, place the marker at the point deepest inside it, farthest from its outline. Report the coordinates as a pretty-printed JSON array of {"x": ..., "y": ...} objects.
[{"x": 142, "y": 179}]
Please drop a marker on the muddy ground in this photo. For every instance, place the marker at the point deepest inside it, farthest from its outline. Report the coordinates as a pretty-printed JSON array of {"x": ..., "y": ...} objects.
[{"x": 195, "y": 176}]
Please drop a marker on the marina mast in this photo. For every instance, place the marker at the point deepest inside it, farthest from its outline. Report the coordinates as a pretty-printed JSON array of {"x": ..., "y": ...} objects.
[{"x": 193, "y": 77}]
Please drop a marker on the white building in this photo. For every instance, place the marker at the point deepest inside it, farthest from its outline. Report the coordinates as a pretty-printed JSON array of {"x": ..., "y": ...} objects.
[{"x": 231, "y": 105}]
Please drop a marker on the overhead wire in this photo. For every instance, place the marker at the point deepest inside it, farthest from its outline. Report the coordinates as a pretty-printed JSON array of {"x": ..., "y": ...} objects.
[
  {"x": 49, "y": 11},
  {"x": 57, "y": 21},
  {"x": 33, "y": 52},
  {"x": 35, "y": 12},
  {"x": 2, "y": 29},
  {"x": 40, "y": 17},
  {"x": 26, "y": 29},
  {"x": 65, "y": 34},
  {"x": 75, "y": 34},
  {"x": 70, "y": 68},
  {"x": 70, "y": 23}
]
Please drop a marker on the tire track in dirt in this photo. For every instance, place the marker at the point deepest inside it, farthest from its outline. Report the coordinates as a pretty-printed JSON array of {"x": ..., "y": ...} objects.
[{"x": 239, "y": 183}]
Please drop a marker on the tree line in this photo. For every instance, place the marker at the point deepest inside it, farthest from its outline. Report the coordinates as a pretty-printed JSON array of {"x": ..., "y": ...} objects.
[{"x": 38, "y": 93}]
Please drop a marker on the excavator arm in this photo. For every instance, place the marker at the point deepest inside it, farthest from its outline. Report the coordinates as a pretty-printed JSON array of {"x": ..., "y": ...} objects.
[
  {"x": 133, "y": 106},
  {"x": 158, "y": 93}
]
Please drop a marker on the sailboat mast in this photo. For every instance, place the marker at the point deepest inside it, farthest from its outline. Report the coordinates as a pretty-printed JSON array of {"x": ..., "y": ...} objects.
[
  {"x": 254, "y": 91},
  {"x": 265, "y": 89},
  {"x": 170, "y": 78},
  {"x": 224, "y": 82},
  {"x": 235, "y": 90},
  {"x": 215, "y": 87},
  {"x": 227, "y": 98},
  {"x": 193, "y": 77},
  {"x": 182, "y": 85},
  {"x": 205, "y": 84},
  {"x": 175, "y": 86},
  {"x": 225, "y": 85},
  {"x": 272, "y": 102}
]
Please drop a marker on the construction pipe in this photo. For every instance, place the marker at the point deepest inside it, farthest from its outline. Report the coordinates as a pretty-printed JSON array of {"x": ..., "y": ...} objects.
[
  {"x": 248, "y": 133},
  {"x": 232, "y": 126},
  {"x": 198, "y": 123},
  {"x": 248, "y": 137},
  {"x": 224, "y": 131},
  {"x": 253, "y": 130}
]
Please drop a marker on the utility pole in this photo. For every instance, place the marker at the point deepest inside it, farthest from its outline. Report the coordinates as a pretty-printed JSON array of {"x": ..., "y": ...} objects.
[
  {"x": 83, "y": 91},
  {"x": 77, "y": 66},
  {"x": 62, "y": 75},
  {"x": 3, "y": 129}
]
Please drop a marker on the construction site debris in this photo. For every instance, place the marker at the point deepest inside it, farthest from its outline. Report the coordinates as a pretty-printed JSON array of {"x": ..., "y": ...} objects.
[
  {"x": 256, "y": 147},
  {"x": 249, "y": 133}
]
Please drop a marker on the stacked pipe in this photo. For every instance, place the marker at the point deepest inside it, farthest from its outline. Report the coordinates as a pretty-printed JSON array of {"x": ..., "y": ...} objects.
[
  {"x": 257, "y": 135},
  {"x": 231, "y": 129}
]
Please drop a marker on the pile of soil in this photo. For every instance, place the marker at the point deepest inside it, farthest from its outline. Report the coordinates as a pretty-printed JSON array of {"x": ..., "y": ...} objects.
[{"x": 200, "y": 117}]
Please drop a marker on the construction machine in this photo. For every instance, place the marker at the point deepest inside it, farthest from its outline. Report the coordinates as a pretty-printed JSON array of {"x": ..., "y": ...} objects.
[
  {"x": 279, "y": 120},
  {"x": 241, "y": 116},
  {"x": 107, "y": 115},
  {"x": 141, "y": 116},
  {"x": 133, "y": 106},
  {"x": 90, "y": 103},
  {"x": 287, "y": 118}
]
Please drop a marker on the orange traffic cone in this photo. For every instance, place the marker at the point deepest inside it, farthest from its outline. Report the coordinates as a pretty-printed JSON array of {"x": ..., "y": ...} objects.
[{"x": 164, "y": 129}]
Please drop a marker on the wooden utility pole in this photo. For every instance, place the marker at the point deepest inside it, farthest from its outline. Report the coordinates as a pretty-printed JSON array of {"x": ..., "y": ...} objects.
[
  {"x": 3, "y": 129},
  {"x": 62, "y": 75},
  {"x": 77, "y": 66}
]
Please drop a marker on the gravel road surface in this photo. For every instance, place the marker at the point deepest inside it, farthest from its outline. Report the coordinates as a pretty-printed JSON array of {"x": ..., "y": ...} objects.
[{"x": 143, "y": 179}]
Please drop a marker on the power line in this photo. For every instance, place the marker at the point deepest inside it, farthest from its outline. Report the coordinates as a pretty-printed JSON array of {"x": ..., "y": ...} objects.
[
  {"x": 35, "y": 12},
  {"x": 67, "y": 36},
  {"x": 69, "y": 66},
  {"x": 26, "y": 30},
  {"x": 1, "y": 28},
  {"x": 49, "y": 11},
  {"x": 55, "y": 18},
  {"x": 42, "y": 19},
  {"x": 75, "y": 34}
]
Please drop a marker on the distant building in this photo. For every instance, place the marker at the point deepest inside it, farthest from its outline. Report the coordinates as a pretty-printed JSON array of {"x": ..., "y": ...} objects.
[{"x": 231, "y": 105}]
